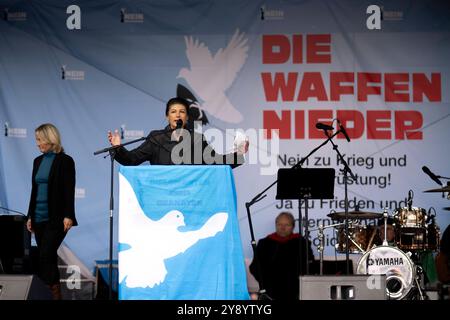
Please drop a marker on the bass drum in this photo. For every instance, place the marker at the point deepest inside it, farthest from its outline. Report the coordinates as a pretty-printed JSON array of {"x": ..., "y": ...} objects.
[{"x": 395, "y": 264}]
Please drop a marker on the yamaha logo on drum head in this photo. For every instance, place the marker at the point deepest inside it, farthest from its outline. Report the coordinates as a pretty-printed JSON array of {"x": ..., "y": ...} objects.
[{"x": 390, "y": 261}]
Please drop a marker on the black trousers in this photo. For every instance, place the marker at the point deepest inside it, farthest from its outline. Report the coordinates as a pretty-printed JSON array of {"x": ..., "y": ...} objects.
[{"x": 48, "y": 238}]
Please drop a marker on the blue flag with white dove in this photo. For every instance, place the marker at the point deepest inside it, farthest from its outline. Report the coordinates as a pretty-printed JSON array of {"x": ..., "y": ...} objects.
[{"x": 179, "y": 235}]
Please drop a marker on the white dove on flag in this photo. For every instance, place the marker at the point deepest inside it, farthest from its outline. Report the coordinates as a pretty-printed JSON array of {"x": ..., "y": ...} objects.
[
  {"x": 151, "y": 242},
  {"x": 210, "y": 76}
]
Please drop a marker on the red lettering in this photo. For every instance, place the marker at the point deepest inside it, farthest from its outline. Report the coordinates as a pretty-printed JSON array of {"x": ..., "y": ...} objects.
[
  {"x": 272, "y": 88},
  {"x": 378, "y": 119},
  {"x": 378, "y": 124},
  {"x": 312, "y": 86},
  {"x": 406, "y": 125},
  {"x": 324, "y": 116},
  {"x": 271, "y": 121},
  {"x": 422, "y": 86},
  {"x": 297, "y": 49},
  {"x": 394, "y": 82},
  {"x": 335, "y": 84},
  {"x": 364, "y": 78},
  {"x": 269, "y": 43},
  {"x": 353, "y": 117},
  {"x": 318, "y": 48},
  {"x": 299, "y": 124}
]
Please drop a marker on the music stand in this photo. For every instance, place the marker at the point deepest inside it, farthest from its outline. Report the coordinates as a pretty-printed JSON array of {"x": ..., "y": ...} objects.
[{"x": 305, "y": 183}]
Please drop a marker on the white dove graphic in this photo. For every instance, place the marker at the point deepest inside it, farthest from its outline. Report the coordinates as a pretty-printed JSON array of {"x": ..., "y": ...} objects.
[
  {"x": 211, "y": 76},
  {"x": 151, "y": 242}
]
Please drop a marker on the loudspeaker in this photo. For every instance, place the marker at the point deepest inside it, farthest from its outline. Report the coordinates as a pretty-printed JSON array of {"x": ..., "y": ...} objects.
[
  {"x": 23, "y": 287},
  {"x": 102, "y": 275},
  {"x": 15, "y": 242},
  {"x": 356, "y": 287},
  {"x": 331, "y": 267}
]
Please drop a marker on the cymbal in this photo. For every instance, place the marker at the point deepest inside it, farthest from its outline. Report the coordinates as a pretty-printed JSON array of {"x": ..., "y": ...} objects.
[
  {"x": 355, "y": 215},
  {"x": 443, "y": 189}
]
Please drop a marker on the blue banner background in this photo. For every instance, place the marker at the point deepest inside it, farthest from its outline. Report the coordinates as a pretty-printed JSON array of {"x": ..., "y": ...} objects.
[{"x": 118, "y": 74}]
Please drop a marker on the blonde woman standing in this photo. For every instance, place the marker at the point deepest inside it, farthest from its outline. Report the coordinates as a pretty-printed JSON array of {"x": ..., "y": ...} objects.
[{"x": 51, "y": 211}]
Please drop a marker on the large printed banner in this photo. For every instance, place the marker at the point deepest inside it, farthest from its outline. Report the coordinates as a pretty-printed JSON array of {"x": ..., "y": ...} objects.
[
  {"x": 179, "y": 235},
  {"x": 382, "y": 73}
]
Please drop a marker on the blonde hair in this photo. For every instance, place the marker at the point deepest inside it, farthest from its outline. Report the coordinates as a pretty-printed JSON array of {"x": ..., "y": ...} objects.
[{"x": 50, "y": 134}]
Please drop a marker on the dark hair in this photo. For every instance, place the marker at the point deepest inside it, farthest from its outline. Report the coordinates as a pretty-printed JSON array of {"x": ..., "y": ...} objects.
[{"x": 177, "y": 100}]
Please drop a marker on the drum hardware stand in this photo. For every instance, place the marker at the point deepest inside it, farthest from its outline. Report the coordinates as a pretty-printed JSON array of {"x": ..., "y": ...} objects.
[
  {"x": 320, "y": 248},
  {"x": 306, "y": 196},
  {"x": 419, "y": 272},
  {"x": 385, "y": 215},
  {"x": 347, "y": 237},
  {"x": 369, "y": 244}
]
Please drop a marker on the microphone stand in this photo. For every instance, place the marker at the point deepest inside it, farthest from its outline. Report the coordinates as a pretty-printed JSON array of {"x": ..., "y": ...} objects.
[
  {"x": 346, "y": 171},
  {"x": 112, "y": 153},
  {"x": 261, "y": 196}
]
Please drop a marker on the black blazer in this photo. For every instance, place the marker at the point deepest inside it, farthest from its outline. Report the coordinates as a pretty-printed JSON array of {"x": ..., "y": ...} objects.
[{"x": 61, "y": 189}]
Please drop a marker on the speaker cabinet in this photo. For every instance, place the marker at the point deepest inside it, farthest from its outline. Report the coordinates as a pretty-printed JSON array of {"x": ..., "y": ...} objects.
[
  {"x": 23, "y": 287},
  {"x": 355, "y": 287},
  {"x": 15, "y": 242}
]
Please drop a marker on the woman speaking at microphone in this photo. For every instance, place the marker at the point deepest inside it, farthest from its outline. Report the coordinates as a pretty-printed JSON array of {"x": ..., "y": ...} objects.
[{"x": 175, "y": 144}]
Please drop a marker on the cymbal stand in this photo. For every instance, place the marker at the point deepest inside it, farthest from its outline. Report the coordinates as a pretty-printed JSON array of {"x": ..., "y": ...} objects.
[
  {"x": 419, "y": 272},
  {"x": 385, "y": 215}
]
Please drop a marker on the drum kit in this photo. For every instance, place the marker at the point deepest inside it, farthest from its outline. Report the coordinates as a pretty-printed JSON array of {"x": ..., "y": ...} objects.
[{"x": 416, "y": 232}]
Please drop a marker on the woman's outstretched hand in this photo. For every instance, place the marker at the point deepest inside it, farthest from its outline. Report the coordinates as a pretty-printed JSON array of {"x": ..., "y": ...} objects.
[{"x": 114, "y": 138}]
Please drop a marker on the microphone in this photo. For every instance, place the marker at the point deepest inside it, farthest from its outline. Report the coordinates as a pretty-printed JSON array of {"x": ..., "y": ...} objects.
[
  {"x": 431, "y": 175},
  {"x": 344, "y": 132},
  {"x": 179, "y": 124},
  {"x": 322, "y": 126}
]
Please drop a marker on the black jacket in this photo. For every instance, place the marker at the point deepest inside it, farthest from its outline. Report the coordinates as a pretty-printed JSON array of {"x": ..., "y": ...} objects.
[
  {"x": 281, "y": 265},
  {"x": 157, "y": 149},
  {"x": 61, "y": 189}
]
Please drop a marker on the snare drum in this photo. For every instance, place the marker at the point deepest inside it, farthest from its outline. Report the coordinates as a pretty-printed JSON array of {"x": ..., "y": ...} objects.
[
  {"x": 413, "y": 217},
  {"x": 411, "y": 228}
]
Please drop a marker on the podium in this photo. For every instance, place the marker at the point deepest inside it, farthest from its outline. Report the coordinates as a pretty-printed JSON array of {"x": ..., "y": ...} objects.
[{"x": 179, "y": 234}]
